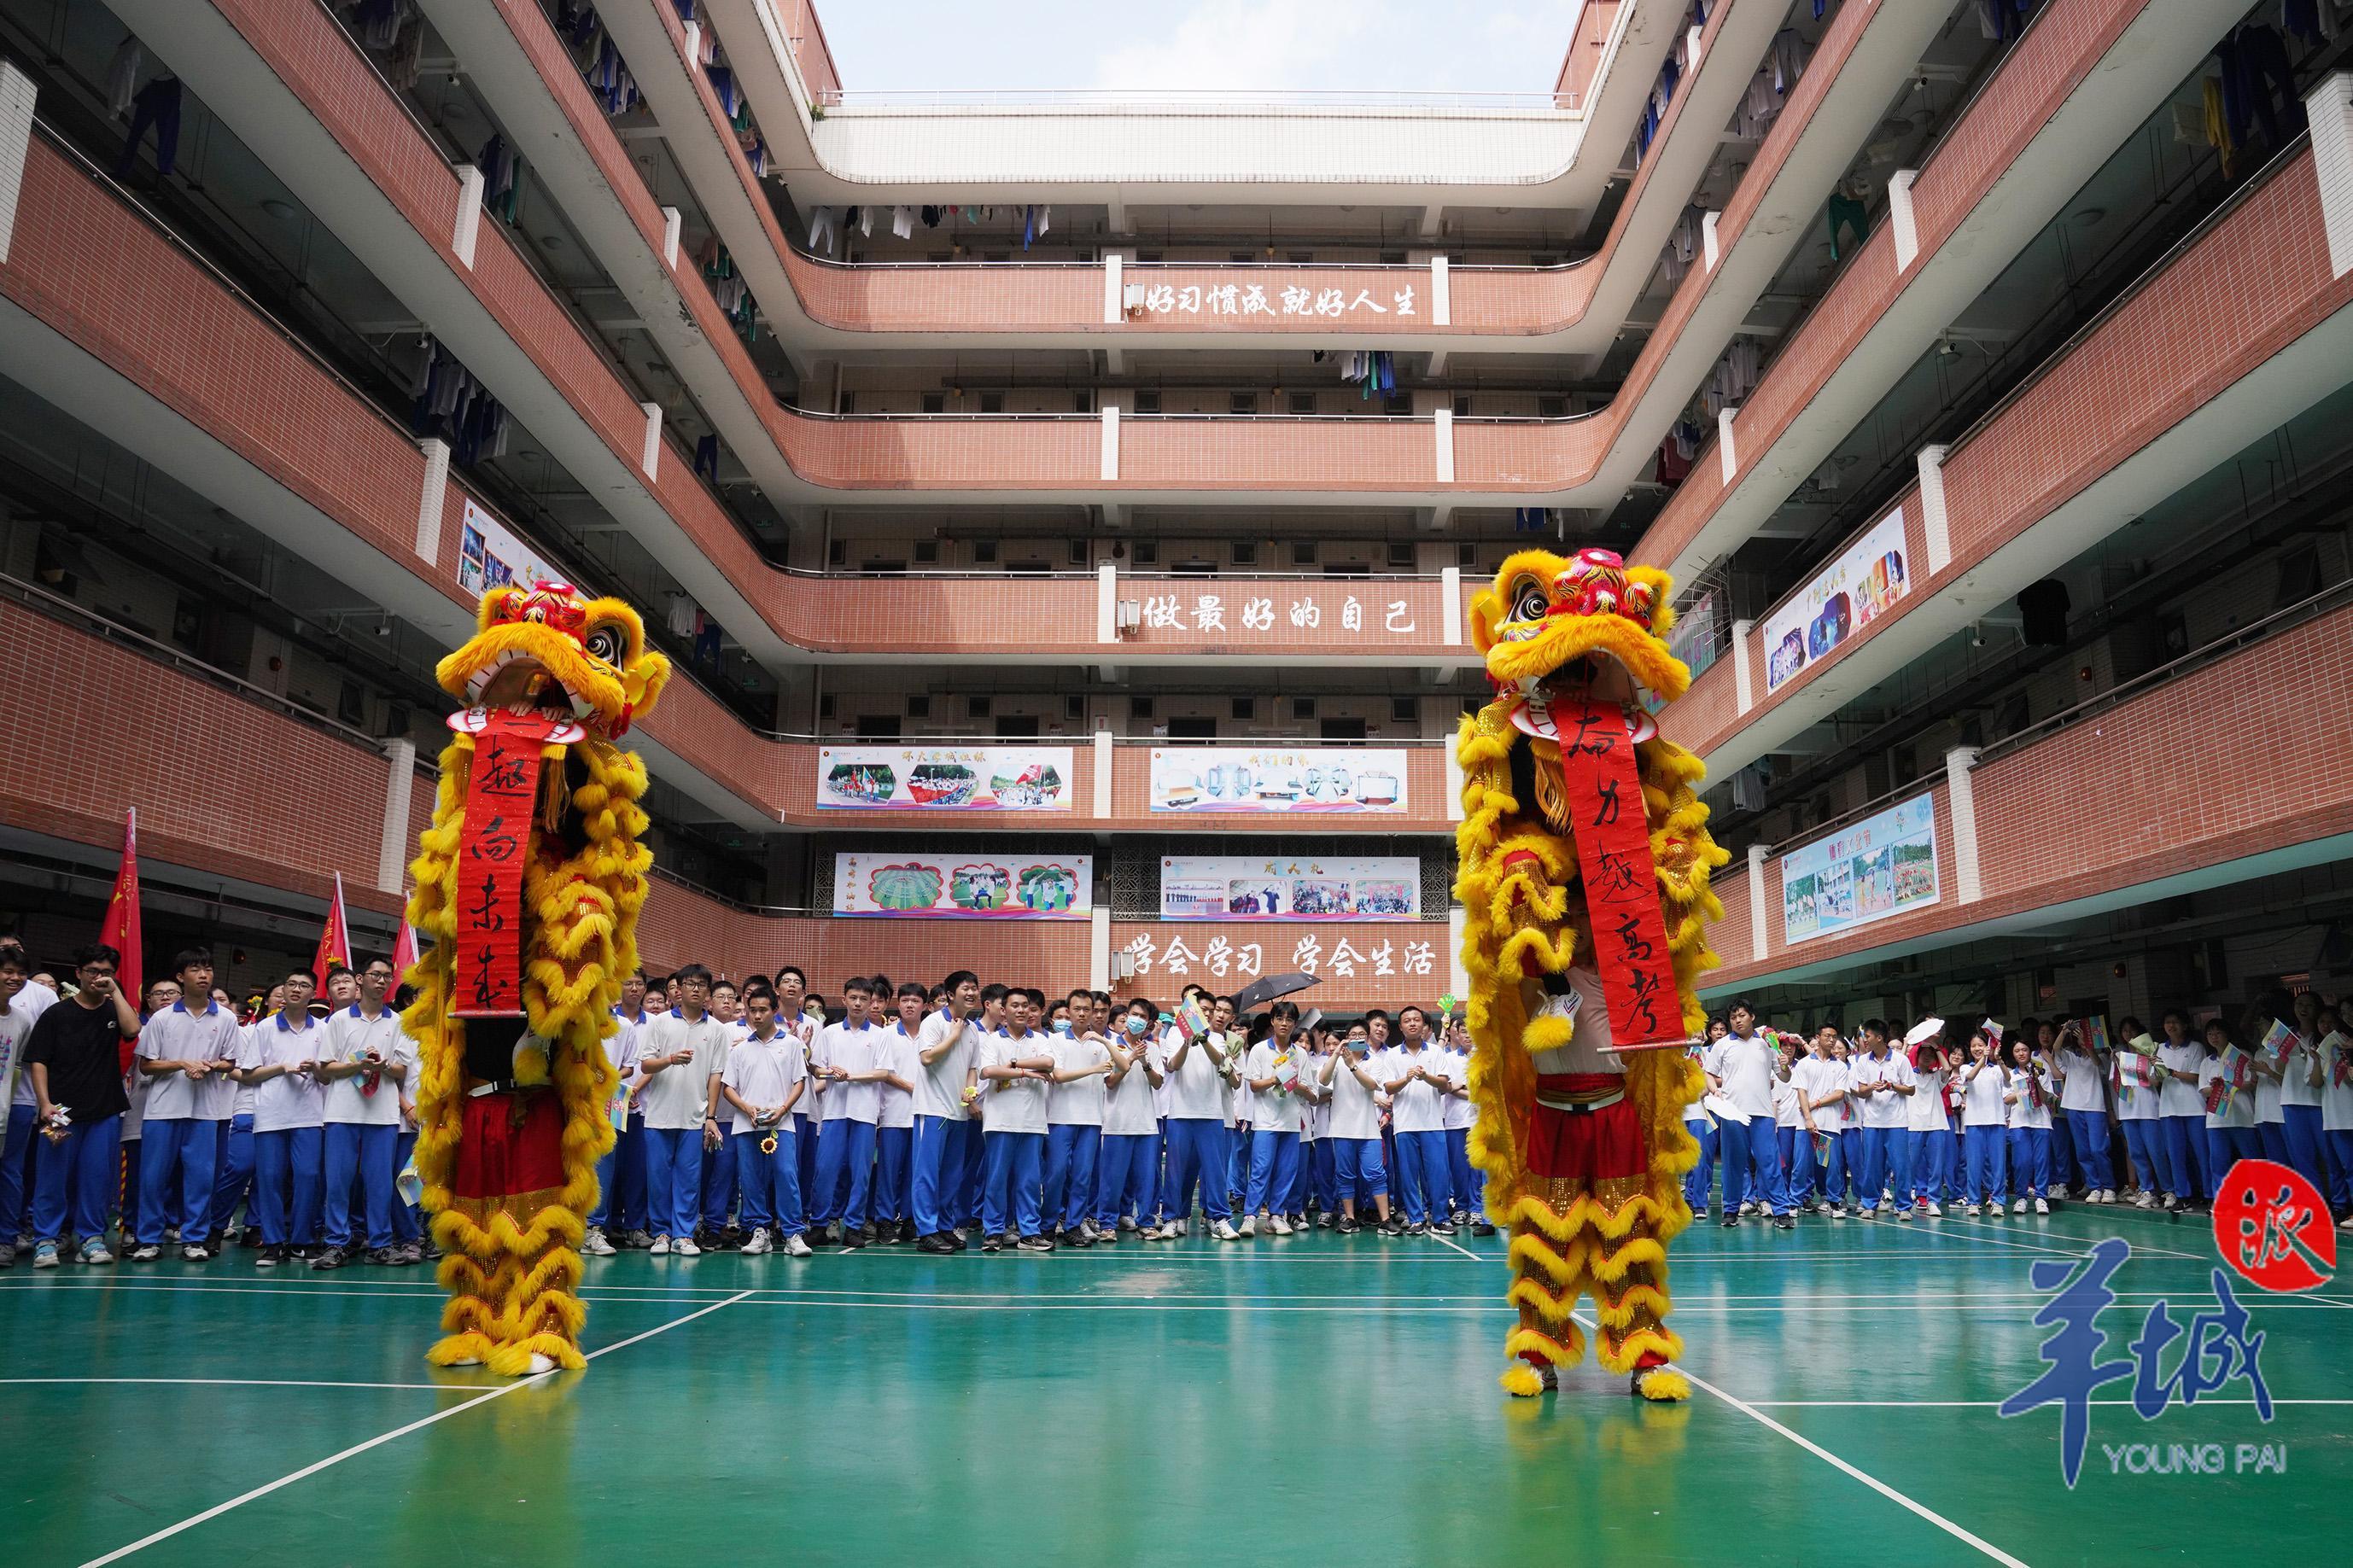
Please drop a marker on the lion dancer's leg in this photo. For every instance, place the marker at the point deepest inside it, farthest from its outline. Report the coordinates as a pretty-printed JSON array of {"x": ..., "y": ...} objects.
[
  {"x": 1630, "y": 1272},
  {"x": 1550, "y": 1264}
]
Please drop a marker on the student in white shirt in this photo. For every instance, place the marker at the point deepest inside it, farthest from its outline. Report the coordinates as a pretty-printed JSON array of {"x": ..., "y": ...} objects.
[
  {"x": 682, "y": 1052},
  {"x": 1416, "y": 1080},
  {"x": 1746, "y": 1073},
  {"x": 1880, "y": 1086},
  {"x": 1271, "y": 1073},
  {"x": 1195, "y": 1134},
  {"x": 1015, "y": 1075},
  {"x": 233, "y": 1170},
  {"x": 1934, "y": 1150},
  {"x": 717, "y": 1197},
  {"x": 1352, "y": 1078},
  {"x": 2137, "y": 1111},
  {"x": 895, "y": 1130},
  {"x": 1074, "y": 1123},
  {"x": 2335, "y": 1067},
  {"x": 1314, "y": 1119},
  {"x": 1128, "y": 1171},
  {"x": 2031, "y": 1093},
  {"x": 364, "y": 1060},
  {"x": 2084, "y": 1105},
  {"x": 1985, "y": 1117},
  {"x": 186, "y": 1054},
  {"x": 2226, "y": 1086},
  {"x": 2183, "y": 1057},
  {"x": 1819, "y": 1079},
  {"x": 767, "y": 1072},
  {"x": 278, "y": 1059},
  {"x": 1233, "y": 1106},
  {"x": 2300, "y": 1094},
  {"x": 850, "y": 1098},
  {"x": 945, "y": 1051},
  {"x": 621, "y": 1173},
  {"x": 17, "y": 1103},
  {"x": 1699, "y": 1120},
  {"x": 1464, "y": 1186}
]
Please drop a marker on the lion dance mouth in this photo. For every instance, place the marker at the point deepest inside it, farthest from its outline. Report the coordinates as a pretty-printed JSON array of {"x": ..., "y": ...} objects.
[
  {"x": 1585, "y": 861},
  {"x": 530, "y": 881}
]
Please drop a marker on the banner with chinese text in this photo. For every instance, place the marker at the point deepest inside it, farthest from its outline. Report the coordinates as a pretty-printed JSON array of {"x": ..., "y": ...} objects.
[
  {"x": 963, "y": 887},
  {"x": 1354, "y": 615},
  {"x": 490, "y": 557},
  {"x": 1289, "y": 888},
  {"x": 1885, "y": 865},
  {"x": 1278, "y": 778},
  {"x": 944, "y": 778},
  {"x": 1845, "y": 597},
  {"x": 1363, "y": 966}
]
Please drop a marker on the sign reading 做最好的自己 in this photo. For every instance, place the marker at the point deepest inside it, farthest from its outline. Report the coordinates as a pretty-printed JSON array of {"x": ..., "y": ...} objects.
[
  {"x": 944, "y": 778},
  {"x": 1289, "y": 888},
  {"x": 1211, "y": 779}
]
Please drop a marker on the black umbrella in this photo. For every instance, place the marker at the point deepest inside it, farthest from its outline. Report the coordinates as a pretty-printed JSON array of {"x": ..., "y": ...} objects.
[{"x": 1266, "y": 987}]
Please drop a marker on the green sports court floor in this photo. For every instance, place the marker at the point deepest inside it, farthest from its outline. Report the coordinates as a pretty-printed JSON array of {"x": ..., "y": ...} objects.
[{"x": 1317, "y": 1399}]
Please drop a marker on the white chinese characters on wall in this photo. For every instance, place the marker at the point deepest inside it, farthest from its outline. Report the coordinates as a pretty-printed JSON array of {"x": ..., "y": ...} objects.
[
  {"x": 1310, "y": 610},
  {"x": 1343, "y": 959},
  {"x": 1254, "y": 300}
]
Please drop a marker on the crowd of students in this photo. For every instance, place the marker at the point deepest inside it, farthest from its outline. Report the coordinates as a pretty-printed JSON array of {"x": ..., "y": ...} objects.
[
  {"x": 760, "y": 1118},
  {"x": 1992, "y": 1119}
]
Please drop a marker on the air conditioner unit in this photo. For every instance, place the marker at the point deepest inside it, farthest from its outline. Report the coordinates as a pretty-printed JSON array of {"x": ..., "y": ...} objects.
[
  {"x": 1132, "y": 297},
  {"x": 1122, "y": 965},
  {"x": 1131, "y": 616}
]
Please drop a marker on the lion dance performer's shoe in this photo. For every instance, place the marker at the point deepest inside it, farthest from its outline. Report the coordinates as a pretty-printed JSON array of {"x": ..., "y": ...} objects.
[
  {"x": 1585, "y": 863},
  {"x": 530, "y": 881}
]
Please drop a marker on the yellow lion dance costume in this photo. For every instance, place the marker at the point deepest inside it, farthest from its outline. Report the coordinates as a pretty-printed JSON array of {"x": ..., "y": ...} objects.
[
  {"x": 530, "y": 882},
  {"x": 1585, "y": 930}
]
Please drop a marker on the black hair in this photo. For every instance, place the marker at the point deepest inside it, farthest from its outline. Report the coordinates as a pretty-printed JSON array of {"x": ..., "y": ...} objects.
[
  {"x": 1286, "y": 1008},
  {"x": 796, "y": 970},
  {"x": 913, "y": 988},
  {"x": 994, "y": 992},
  {"x": 1875, "y": 1027},
  {"x": 957, "y": 977},
  {"x": 303, "y": 972},
  {"x": 858, "y": 982},
  {"x": 685, "y": 973},
  {"x": 1743, "y": 1005},
  {"x": 189, "y": 958},
  {"x": 96, "y": 953}
]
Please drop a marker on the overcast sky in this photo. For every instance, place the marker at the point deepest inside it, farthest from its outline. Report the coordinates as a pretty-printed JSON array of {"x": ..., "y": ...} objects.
[{"x": 1460, "y": 45}]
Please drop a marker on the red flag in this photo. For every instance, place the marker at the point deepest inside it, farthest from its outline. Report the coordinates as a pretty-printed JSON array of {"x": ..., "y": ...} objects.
[
  {"x": 335, "y": 941},
  {"x": 120, "y": 930},
  {"x": 404, "y": 953}
]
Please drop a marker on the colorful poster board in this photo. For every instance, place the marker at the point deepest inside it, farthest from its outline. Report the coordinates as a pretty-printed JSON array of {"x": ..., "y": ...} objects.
[
  {"x": 490, "y": 557},
  {"x": 1330, "y": 780},
  {"x": 1289, "y": 888},
  {"x": 895, "y": 885},
  {"x": 1863, "y": 584},
  {"x": 944, "y": 778},
  {"x": 1885, "y": 865}
]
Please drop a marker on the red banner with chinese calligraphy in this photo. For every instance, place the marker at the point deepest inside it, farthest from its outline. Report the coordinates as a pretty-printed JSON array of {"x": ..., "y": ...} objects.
[
  {"x": 501, "y": 791},
  {"x": 1621, "y": 887}
]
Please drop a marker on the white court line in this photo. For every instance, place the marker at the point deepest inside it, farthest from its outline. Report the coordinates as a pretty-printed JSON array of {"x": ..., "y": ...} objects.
[
  {"x": 1964, "y": 1235},
  {"x": 313, "y": 1468},
  {"x": 1874, "y": 1482},
  {"x": 1473, "y": 1257},
  {"x": 1973, "y": 1403},
  {"x": 253, "y": 1383}
]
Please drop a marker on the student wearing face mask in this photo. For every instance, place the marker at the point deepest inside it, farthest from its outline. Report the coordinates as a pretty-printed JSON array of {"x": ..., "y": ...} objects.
[{"x": 1128, "y": 1171}]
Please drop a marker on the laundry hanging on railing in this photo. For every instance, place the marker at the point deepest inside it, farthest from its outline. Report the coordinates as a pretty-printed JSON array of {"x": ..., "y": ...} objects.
[
  {"x": 2254, "y": 60},
  {"x": 1769, "y": 89},
  {"x": 1845, "y": 212},
  {"x": 123, "y": 77},
  {"x": 1531, "y": 520},
  {"x": 501, "y": 179},
  {"x": 1682, "y": 246},
  {"x": 1670, "y": 76},
  {"x": 706, "y": 458},
  {"x": 2003, "y": 19},
  {"x": 824, "y": 229},
  {"x": 728, "y": 289},
  {"x": 449, "y": 402},
  {"x": 1372, "y": 370},
  {"x": 393, "y": 31},
  {"x": 1737, "y": 373},
  {"x": 1035, "y": 222}
]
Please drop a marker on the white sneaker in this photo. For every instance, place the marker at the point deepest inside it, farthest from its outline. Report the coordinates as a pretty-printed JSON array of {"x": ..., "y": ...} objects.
[
  {"x": 2019, "y": 1206},
  {"x": 1871, "y": 1214},
  {"x": 2345, "y": 1224},
  {"x": 1223, "y": 1231},
  {"x": 1838, "y": 1211},
  {"x": 1905, "y": 1215},
  {"x": 1974, "y": 1211},
  {"x": 93, "y": 1251},
  {"x": 2147, "y": 1200},
  {"x": 796, "y": 1247},
  {"x": 1183, "y": 1227},
  {"x": 1250, "y": 1227},
  {"x": 684, "y": 1247},
  {"x": 1935, "y": 1211},
  {"x": 1282, "y": 1225},
  {"x": 593, "y": 1243},
  {"x": 660, "y": 1248},
  {"x": 758, "y": 1242},
  {"x": 1088, "y": 1229},
  {"x": 2042, "y": 1206}
]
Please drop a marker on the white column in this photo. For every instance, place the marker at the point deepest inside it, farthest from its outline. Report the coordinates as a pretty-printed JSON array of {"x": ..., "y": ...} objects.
[
  {"x": 1449, "y": 605},
  {"x": 392, "y": 849},
  {"x": 1103, "y": 773},
  {"x": 1934, "y": 521},
  {"x": 2328, "y": 107},
  {"x": 1743, "y": 691},
  {"x": 650, "y": 458},
  {"x": 16, "y": 144},
  {"x": 1441, "y": 294},
  {"x": 1458, "y": 979},
  {"x": 673, "y": 224},
  {"x": 1107, "y": 603},
  {"x": 1899, "y": 216},
  {"x": 1099, "y": 948},
  {"x": 1109, "y": 441},
  {"x": 1760, "y": 929},
  {"x": 1113, "y": 304},
  {"x": 1960, "y": 793},
  {"x": 1453, "y": 781},
  {"x": 470, "y": 215},
  {"x": 1442, "y": 429},
  {"x": 1726, "y": 458},
  {"x": 1692, "y": 51},
  {"x": 430, "y": 502},
  {"x": 1711, "y": 248}
]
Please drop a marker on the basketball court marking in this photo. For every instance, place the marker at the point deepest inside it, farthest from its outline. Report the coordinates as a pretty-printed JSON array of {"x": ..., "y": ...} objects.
[
  {"x": 378, "y": 1441},
  {"x": 1874, "y": 1482},
  {"x": 250, "y": 1383}
]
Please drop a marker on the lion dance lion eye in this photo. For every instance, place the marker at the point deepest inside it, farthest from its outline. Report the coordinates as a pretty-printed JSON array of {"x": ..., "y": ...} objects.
[
  {"x": 605, "y": 643},
  {"x": 1533, "y": 605}
]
